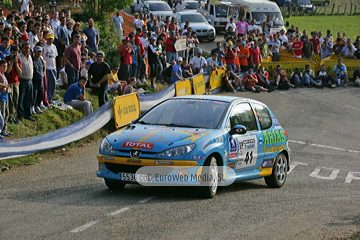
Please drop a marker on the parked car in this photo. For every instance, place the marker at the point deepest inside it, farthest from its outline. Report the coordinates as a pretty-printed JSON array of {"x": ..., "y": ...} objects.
[
  {"x": 200, "y": 135},
  {"x": 198, "y": 23},
  {"x": 158, "y": 8},
  {"x": 324, "y": 3},
  {"x": 297, "y": 5},
  {"x": 192, "y": 6}
]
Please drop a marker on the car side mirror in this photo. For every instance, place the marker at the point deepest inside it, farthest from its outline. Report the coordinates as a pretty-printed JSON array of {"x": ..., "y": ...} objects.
[
  {"x": 238, "y": 129},
  {"x": 287, "y": 24}
]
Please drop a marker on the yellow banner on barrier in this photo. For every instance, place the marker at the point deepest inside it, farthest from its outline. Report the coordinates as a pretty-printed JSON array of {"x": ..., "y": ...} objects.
[
  {"x": 126, "y": 109},
  {"x": 183, "y": 88},
  {"x": 198, "y": 83},
  {"x": 216, "y": 78},
  {"x": 351, "y": 65},
  {"x": 289, "y": 66}
]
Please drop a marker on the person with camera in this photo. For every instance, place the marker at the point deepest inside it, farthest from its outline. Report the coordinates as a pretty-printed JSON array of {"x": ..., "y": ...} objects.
[
  {"x": 340, "y": 71},
  {"x": 263, "y": 78},
  {"x": 233, "y": 82},
  {"x": 296, "y": 77},
  {"x": 230, "y": 55},
  {"x": 327, "y": 47},
  {"x": 12, "y": 73},
  {"x": 125, "y": 50},
  {"x": 4, "y": 110},
  {"x": 198, "y": 63},
  {"x": 251, "y": 83},
  {"x": 327, "y": 80},
  {"x": 281, "y": 81},
  {"x": 308, "y": 79}
]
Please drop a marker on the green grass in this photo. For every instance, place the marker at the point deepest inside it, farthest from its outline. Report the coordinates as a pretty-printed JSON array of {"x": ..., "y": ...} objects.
[{"x": 348, "y": 24}]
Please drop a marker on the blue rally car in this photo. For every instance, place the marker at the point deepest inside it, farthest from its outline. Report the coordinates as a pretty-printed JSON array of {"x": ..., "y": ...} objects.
[{"x": 204, "y": 135}]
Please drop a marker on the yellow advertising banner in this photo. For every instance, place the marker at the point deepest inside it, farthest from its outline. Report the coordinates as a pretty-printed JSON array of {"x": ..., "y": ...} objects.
[
  {"x": 183, "y": 88},
  {"x": 216, "y": 78},
  {"x": 198, "y": 83},
  {"x": 351, "y": 65},
  {"x": 126, "y": 109},
  {"x": 289, "y": 66}
]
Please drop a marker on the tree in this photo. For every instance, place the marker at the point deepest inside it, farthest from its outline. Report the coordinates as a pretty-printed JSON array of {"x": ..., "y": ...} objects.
[
  {"x": 7, "y": 2},
  {"x": 103, "y": 7}
]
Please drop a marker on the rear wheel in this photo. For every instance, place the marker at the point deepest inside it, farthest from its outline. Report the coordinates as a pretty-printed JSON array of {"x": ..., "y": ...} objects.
[
  {"x": 114, "y": 184},
  {"x": 210, "y": 176},
  {"x": 279, "y": 173}
]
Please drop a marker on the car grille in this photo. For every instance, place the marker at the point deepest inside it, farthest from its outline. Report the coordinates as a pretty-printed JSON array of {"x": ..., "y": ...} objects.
[
  {"x": 116, "y": 168},
  {"x": 199, "y": 31}
]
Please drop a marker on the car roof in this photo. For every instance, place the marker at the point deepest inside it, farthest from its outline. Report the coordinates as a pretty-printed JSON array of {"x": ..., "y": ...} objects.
[
  {"x": 218, "y": 98},
  {"x": 188, "y": 13}
]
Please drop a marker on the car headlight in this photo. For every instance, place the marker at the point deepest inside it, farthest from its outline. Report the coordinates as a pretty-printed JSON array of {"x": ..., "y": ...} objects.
[
  {"x": 106, "y": 146},
  {"x": 177, "y": 151}
]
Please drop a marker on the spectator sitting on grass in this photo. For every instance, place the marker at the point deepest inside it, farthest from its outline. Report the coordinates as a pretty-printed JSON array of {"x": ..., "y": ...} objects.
[
  {"x": 114, "y": 83},
  {"x": 129, "y": 88},
  {"x": 75, "y": 96}
]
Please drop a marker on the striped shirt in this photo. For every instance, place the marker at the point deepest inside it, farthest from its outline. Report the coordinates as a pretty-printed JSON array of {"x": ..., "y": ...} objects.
[{"x": 27, "y": 67}]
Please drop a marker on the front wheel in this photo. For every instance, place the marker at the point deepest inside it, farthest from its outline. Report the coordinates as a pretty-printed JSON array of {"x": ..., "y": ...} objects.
[
  {"x": 209, "y": 176},
  {"x": 279, "y": 173},
  {"x": 114, "y": 184}
]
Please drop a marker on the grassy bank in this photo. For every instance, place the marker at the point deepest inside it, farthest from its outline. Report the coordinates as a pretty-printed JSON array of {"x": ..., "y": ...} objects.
[{"x": 348, "y": 24}]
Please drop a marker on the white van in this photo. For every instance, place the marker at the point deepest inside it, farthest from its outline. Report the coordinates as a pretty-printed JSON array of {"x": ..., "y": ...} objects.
[
  {"x": 215, "y": 11},
  {"x": 258, "y": 10}
]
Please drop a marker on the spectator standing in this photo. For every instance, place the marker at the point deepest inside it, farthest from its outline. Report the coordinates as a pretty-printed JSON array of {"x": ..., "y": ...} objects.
[
  {"x": 93, "y": 37},
  {"x": 267, "y": 25},
  {"x": 198, "y": 63},
  {"x": 297, "y": 47},
  {"x": 98, "y": 76},
  {"x": 4, "y": 47},
  {"x": 135, "y": 56},
  {"x": 275, "y": 43},
  {"x": 49, "y": 54},
  {"x": 4, "y": 98},
  {"x": 180, "y": 6},
  {"x": 232, "y": 24},
  {"x": 62, "y": 41},
  {"x": 54, "y": 21},
  {"x": 72, "y": 59},
  {"x": 315, "y": 42},
  {"x": 243, "y": 56},
  {"x": 340, "y": 72},
  {"x": 230, "y": 55},
  {"x": 338, "y": 46},
  {"x": 218, "y": 49},
  {"x": 136, "y": 7},
  {"x": 75, "y": 96},
  {"x": 255, "y": 56},
  {"x": 326, "y": 48},
  {"x": 241, "y": 27},
  {"x": 12, "y": 75},
  {"x": 186, "y": 69},
  {"x": 2, "y": 17},
  {"x": 170, "y": 49},
  {"x": 141, "y": 56},
  {"x": 33, "y": 35},
  {"x": 24, "y": 5},
  {"x": 176, "y": 72},
  {"x": 26, "y": 87},
  {"x": 125, "y": 50},
  {"x": 119, "y": 21},
  {"x": 348, "y": 50},
  {"x": 308, "y": 49},
  {"x": 38, "y": 80},
  {"x": 154, "y": 61},
  {"x": 212, "y": 64}
]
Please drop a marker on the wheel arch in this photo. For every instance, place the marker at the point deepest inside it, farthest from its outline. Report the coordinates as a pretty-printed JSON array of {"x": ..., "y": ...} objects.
[
  {"x": 286, "y": 153},
  {"x": 219, "y": 158}
]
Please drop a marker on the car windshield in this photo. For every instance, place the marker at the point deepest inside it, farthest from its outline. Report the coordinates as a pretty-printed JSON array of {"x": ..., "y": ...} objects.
[
  {"x": 193, "y": 18},
  {"x": 221, "y": 11},
  {"x": 192, "y": 113},
  {"x": 276, "y": 18},
  {"x": 161, "y": 6},
  {"x": 192, "y": 5}
]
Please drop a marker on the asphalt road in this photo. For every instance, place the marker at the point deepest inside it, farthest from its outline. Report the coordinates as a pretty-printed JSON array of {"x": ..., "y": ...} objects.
[{"x": 61, "y": 198}]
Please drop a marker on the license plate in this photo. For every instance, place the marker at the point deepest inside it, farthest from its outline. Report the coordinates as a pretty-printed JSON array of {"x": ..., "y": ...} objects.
[{"x": 132, "y": 177}]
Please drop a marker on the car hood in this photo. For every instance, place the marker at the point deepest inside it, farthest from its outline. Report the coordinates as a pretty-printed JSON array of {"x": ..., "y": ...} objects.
[
  {"x": 154, "y": 138},
  {"x": 202, "y": 25}
]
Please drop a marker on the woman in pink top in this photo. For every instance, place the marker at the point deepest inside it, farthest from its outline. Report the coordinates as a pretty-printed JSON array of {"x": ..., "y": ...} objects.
[{"x": 241, "y": 27}]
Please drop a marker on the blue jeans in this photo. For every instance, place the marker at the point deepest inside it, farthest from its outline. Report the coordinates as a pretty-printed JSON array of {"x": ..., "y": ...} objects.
[
  {"x": 306, "y": 79},
  {"x": 134, "y": 69},
  {"x": 72, "y": 75},
  {"x": 26, "y": 98},
  {"x": 93, "y": 49},
  {"x": 297, "y": 79},
  {"x": 231, "y": 67},
  {"x": 51, "y": 82},
  {"x": 170, "y": 56}
]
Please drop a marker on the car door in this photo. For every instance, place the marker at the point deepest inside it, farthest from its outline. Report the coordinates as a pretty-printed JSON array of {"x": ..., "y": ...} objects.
[{"x": 245, "y": 150}]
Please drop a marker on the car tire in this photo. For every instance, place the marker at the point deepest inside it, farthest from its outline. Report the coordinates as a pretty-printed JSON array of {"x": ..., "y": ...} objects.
[
  {"x": 114, "y": 184},
  {"x": 279, "y": 172},
  {"x": 209, "y": 188}
]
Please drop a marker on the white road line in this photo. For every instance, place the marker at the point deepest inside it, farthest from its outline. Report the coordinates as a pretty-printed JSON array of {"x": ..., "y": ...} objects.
[
  {"x": 353, "y": 107},
  {"x": 324, "y": 146},
  {"x": 85, "y": 226},
  {"x": 147, "y": 199},
  {"x": 118, "y": 211}
]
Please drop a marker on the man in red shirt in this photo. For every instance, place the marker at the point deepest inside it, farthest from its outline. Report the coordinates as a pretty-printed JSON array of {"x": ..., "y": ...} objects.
[
  {"x": 315, "y": 41},
  {"x": 170, "y": 49},
  {"x": 297, "y": 47},
  {"x": 141, "y": 63},
  {"x": 255, "y": 56},
  {"x": 126, "y": 51},
  {"x": 230, "y": 55},
  {"x": 251, "y": 81},
  {"x": 12, "y": 75}
]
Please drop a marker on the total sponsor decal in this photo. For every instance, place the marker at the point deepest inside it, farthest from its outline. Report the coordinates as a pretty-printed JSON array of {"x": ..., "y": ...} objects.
[
  {"x": 199, "y": 157},
  {"x": 274, "y": 136},
  {"x": 163, "y": 162},
  {"x": 233, "y": 148},
  {"x": 143, "y": 145},
  {"x": 274, "y": 149}
]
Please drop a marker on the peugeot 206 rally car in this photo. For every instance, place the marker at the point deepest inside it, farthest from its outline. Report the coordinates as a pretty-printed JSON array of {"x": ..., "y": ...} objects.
[{"x": 205, "y": 141}]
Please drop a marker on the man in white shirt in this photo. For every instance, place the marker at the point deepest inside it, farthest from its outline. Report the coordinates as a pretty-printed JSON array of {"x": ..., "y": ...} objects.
[
  {"x": 198, "y": 63},
  {"x": 55, "y": 21},
  {"x": 138, "y": 22},
  {"x": 119, "y": 21},
  {"x": 49, "y": 54},
  {"x": 181, "y": 6},
  {"x": 283, "y": 36},
  {"x": 232, "y": 24},
  {"x": 212, "y": 64},
  {"x": 24, "y": 5},
  {"x": 136, "y": 6}
]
